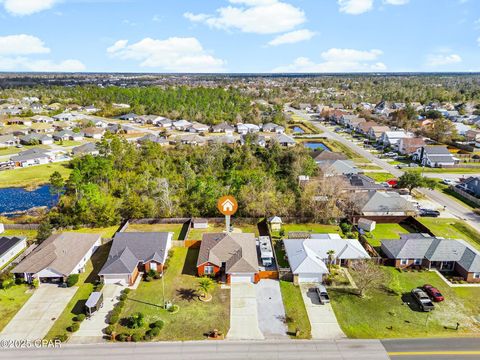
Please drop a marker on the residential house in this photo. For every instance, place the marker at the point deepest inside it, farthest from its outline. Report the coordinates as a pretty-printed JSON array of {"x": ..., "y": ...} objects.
[
  {"x": 392, "y": 138},
  {"x": 65, "y": 135},
  {"x": 19, "y": 121},
  {"x": 91, "y": 109},
  {"x": 181, "y": 125},
  {"x": 244, "y": 129},
  {"x": 133, "y": 253},
  {"x": 470, "y": 188},
  {"x": 364, "y": 127},
  {"x": 223, "y": 139},
  {"x": 198, "y": 223},
  {"x": 165, "y": 123},
  {"x": 233, "y": 255},
  {"x": 34, "y": 138},
  {"x": 258, "y": 140},
  {"x": 7, "y": 141},
  {"x": 462, "y": 128},
  {"x": 337, "y": 167},
  {"x": 325, "y": 155},
  {"x": 359, "y": 183},
  {"x": 10, "y": 247},
  {"x": 377, "y": 203},
  {"x": 89, "y": 148},
  {"x": 408, "y": 146},
  {"x": 190, "y": 139},
  {"x": 375, "y": 132},
  {"x": 34, "y": 156},
  {"x": 153, "y": 138},
  {"x": 309, "y": 258},
  {"x": 284, "y": 140},
  {"x": 128, "y": 117},
  {"x": 473, "y": 135},
  {"x": 434, "y": 156},
  {"x": 42, "y": 119},
  {"x": 424, "y": 251},
  {"x": 57, "y": 257},
  {"x": 271, "y": 127},
  {"x": 93, "y": 132},
  {"x": 275, "y": 223},
  {"x": 223, "y": 128},
  {"x": 197, "y": 127}
]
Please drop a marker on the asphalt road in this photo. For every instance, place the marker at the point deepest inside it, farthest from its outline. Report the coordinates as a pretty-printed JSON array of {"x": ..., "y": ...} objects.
[
  {"x": 211, "y": 350},
  {"x": 433, "y": 349},
  {"x": 454, "y": 207}
]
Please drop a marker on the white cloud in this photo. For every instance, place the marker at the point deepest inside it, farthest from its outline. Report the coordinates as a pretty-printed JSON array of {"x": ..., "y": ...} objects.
[
  {"x": 22, "y": 44},
  {"x": 355, "y": 7},
  {"x": 338, "y": 60},
  {"x": 253, "y": 16},
  {"x": 175, "y": 54},
  {"x": 396, "y": 2},
  {"x": 27, "y": 64},
  {"x": 292, "y": 37},
  {"x": 27, "y": 7},
  {"x": 435, "y": 60}
]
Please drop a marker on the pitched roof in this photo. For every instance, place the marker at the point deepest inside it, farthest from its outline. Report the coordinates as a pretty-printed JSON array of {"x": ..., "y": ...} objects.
[
  {"x": 60, "y": 253},
  {"x": 8, "y": 242},
  {"x": 437, "y": 150},
  {"x": 237, "y": 250},
  {"x": 337, "y": 167},
  {"x": 309, "y": 255},
  {"x": 328, "y": 155},
  {"x": 130, "y": 248},
  {"x": 376, "y": 201}
]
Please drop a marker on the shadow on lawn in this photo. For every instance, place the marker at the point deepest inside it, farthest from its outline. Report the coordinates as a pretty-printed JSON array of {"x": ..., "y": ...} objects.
[
  {"x": 187, "y": 294},
  {"x": 99, "y": 258},
  {"x": 190, "y": 265},
  {"x": 408, "y": 299},
  {"x": 145, "y": 303}
]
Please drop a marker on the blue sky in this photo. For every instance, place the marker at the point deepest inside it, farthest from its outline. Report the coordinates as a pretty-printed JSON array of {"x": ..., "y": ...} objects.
[{"x": 239, "y": 35}]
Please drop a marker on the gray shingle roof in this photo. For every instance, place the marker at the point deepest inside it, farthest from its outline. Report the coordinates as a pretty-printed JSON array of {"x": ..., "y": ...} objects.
[{"x": 130, "y": 248}]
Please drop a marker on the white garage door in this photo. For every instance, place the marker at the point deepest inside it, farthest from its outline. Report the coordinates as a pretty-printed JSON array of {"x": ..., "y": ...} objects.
[
  {"x": 115, "y": 279},
  {"x": 243, "y": 278},
  {"x": 309, "y": 278}
]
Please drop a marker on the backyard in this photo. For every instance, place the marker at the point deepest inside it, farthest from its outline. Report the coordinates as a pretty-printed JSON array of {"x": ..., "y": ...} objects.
[
  {"x": 295, "y": 312},
  {"x": 12, "y": 300},
  {"x": 29, "y": 234},
  {"x": 387, "y": 231},
  {"x": 394, "y": 319},
  {"x": 86, "y": 283},
  {"x": 32, "y": 176},
  {"x": 453, "y": 229},
  {"x": 175, "y": 228},
  {"x": 181, "y": 284}
]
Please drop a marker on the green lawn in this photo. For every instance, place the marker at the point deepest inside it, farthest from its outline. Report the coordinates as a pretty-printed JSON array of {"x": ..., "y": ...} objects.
[
  {"x": 32, "y": 176},
  {"x": 29, "y": 234},
  {"x": 11, "y": 301},
  {"x": 85, "y": 286},
  {"x": 295, "y": 312},
  {"x": 195, "y": 317},
  {"x": 106, "y": 232},
  {"x": 383, "y": 315},
  {"x": 196, "y": 234},
  {"x": 14, "y": 150},
  {"x": 310, "y": 227},
  {"x": 453, "y": 229},
  {"x": 175, "y": 228},
  {"x": 474, "y": 170},
  {"x": 67, "y": 143},
  {"x": 336, "y": 146},
  {"x": 380, "y": 176},
  {"x": 386, "y": 231}
]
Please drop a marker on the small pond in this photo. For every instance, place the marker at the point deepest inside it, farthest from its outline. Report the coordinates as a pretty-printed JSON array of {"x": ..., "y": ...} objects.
[
  {"x": 19, "y": 199},
  {"x": 298, "y": 130},
  {"x": 316, "y": 145}
]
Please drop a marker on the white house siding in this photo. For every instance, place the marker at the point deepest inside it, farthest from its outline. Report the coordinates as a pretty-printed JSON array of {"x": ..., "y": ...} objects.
[
  {"x": 88, "y": 255},
  {"x": 12, "y": 252}
]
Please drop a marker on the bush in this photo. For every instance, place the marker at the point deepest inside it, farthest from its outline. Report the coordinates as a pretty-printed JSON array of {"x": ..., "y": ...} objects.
[
  {"x": 120, "y": 305},
  {"x": 113, "y": 319},
  {"x": 153, "y": 332},
  {"x": 126, "y": 291},
  {"x": 7, "y": 283},
  {"x": 98, "y": 287},
  {"x": 122, "y": 337},
  {"x": 123, "y": 297},
  {"x": 147, "y": 279},
  {"x": 281, "y": 232},
  {"x": 80, "y": 317},
  {"x": 135, "y": 321},
  {"x": 157, "y": 324},
  {"x": 173, "y": 308},
  {"x": 35, "y": 283},
  {"x": 136, "y": 337},
  {"x": 151, "y": 273},
  {"x": 19, "y": 281},
  {"x": 158, "y": 275},
  {"x": 74, "y": 327},
  {"x": 346, "y": 227},
  {"x": 72, "y": 279},
  {"x": 109, "y": 329},
  {"x": 62, "y": 337}
]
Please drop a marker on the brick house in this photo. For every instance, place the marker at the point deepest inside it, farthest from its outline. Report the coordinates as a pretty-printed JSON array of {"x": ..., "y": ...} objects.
[
  {"x": 135, "y": 252},
  {"x": 233, "y": 255},
  {"x": 424, "y": 251}
]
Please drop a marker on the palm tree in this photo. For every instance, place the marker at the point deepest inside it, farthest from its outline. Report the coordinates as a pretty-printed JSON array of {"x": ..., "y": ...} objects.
[
  {"x": 205, "y": 285},
  {"x": 331, "y": 259}
]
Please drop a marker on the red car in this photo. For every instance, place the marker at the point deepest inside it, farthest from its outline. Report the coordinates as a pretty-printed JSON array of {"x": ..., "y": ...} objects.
[{"x": 433, "y": 293}]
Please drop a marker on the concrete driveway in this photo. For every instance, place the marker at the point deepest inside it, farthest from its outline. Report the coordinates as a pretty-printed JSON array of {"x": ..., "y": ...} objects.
[
  {"x": 90, "y": 331},
  {"x": 322, "y": 318},
  {"x": 36, "y": 317},
  {"x": 243, "y": 313},
  {"x": 271, "y": 313}
]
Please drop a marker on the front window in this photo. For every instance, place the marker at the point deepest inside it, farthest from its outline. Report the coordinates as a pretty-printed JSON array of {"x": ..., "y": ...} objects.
[
  {"x": 476, "y": 275},
  {"x": 417, "y": 262},
  {"x": 404, "y": 262},
  {"x": 208, "y": 270}
]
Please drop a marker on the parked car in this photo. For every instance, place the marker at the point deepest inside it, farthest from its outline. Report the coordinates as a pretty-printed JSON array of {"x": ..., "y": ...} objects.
[
  {"x": 429, "y": 213},
  {"x": 322, "y": 294},
  {"x": 422, "y": 300},
  {"x": 433, "y": 293},
  {"x": 414, "y": 165},
  {"x": 448, "y": 182}
]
